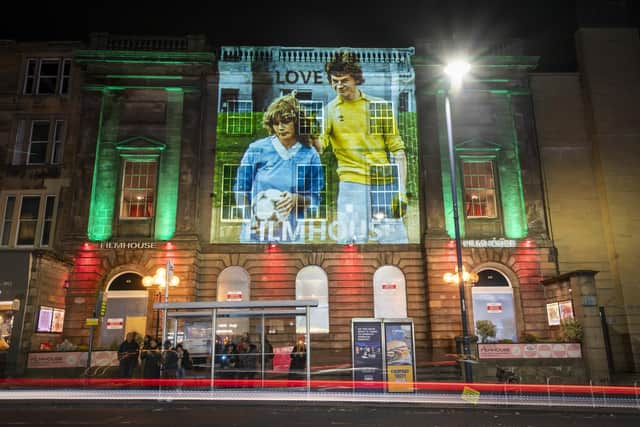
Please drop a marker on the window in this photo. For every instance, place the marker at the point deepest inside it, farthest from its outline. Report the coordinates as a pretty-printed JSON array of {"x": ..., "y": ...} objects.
[
  {"x": 312, "y": 283},
  {"x": 239, "y": 117},
  {"x": 7, "y": 224},
  {"x": 236, "y": 205},
  {"x": 311, "y": 120},
  {"x": 58, "y": 141},
  {"x": 403, "y": 102},
  {"x": 48, "y": 221},
  {"x": 389, "y": 293},
  {"x": 226, "y": 95},
  {"x": 38, "y": 142},
  {"x": 385, "y": 193},
  {"x": 479, "y": 189},
  {"x": 43, "y": 145},
  {"x": 236, "y": 192},
  {"x": 47, "y": 76},
  {"x": 311, "y": 192},
  {"x": 234, "y": 284},
  {"x": 381, "y": 118},
  {"x": 27, "y": 220},
  {"x": 138, "y": 189},
  {"x": 301, "y": 94}
]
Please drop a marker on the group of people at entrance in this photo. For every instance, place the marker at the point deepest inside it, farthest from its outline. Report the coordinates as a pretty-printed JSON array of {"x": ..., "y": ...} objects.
[
  {"x": 243, "y": 360},
  {"x": 154, "y": 362}
]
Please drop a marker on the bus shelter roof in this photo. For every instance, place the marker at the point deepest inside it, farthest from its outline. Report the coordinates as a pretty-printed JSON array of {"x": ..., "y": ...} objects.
[{"x": 236, "y": 305}]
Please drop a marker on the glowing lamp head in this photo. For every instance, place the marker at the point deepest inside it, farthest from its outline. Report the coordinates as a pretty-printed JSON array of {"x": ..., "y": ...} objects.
[
  {"x": 450, "y": 277},
  {"x": 147, "y": 281},
  {"x": 456, "y": 71}
]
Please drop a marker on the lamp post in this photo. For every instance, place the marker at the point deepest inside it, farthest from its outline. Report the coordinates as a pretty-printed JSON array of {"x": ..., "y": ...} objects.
[
  {"x": 456, "y": 71},
  {"x": 162, "y": 278}
]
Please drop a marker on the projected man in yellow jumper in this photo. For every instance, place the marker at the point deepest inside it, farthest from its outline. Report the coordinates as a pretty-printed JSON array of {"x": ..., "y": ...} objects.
[{"x": 362, "y": 131}]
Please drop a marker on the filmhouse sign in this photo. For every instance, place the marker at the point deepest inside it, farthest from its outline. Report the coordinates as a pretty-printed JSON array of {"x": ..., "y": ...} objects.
[
  {"x": 492, "y": 243},
  {"x": 128, "y": 245}
]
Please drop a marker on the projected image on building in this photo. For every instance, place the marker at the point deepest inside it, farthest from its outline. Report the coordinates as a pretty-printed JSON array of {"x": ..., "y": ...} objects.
[{"x": 315, "y": 145}]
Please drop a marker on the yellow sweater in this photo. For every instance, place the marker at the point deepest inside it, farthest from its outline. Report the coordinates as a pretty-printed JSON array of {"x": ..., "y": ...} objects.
[{"x": 347, "y": 130}]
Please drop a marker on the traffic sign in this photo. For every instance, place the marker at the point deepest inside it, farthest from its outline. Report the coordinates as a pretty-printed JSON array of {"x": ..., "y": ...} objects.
[{"x": 92, "y": 321}]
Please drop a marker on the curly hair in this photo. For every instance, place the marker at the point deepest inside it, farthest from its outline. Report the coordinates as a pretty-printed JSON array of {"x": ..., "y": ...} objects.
[
  {"x": 284, "y": 109},
  {"x": 344, "y": 63}
]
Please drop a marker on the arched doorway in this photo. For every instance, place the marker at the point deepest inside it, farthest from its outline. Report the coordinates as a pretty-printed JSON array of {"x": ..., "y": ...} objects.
[
  {"x": 492, "y": 300},
  {"x": 389, "y": 293},
  {"x": 126, "y": 310},
  {"x": 234, "y": 284},
  {"x": 312, "y": 283}
]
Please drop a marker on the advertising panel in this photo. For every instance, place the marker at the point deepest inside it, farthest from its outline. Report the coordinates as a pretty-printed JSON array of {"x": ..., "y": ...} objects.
[
  {"x": 566, "y": 310},
  {"x": 530, "y": 351},
  {"x": 315, "y": 145},
  {"x": 367, "y": 352},
  {"x": 553, "y": 314},
  {"x": 44, "y": 319},
  {"x": 400, "y": 356},
  {"x": 282, "y": 358},
  {"x": 71, "y": 359},
  {"x": 57, "y": 321}
]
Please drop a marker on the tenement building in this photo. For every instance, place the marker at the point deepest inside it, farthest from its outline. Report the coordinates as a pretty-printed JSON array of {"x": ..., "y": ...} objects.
[{"x": 262, "y": 173}]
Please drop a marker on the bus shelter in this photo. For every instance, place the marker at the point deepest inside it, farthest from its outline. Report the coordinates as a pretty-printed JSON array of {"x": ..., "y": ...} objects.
[{"x": 214, "y": 312}]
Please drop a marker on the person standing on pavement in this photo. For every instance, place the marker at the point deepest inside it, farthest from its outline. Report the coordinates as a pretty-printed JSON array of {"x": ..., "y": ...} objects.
[
  {"x": 128, "y": 355},
  {"x": 169, "y": 361}
]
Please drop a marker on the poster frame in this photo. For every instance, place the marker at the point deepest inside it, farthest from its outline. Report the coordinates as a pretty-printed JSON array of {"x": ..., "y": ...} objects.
[
  {"x": 553, "y": 314},
  {"x": 381, "y": 368}
]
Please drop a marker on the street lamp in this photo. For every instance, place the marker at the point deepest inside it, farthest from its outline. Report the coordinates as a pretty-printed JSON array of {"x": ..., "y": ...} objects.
[
  {"x": 161, "y": 278},
  {"x": 456, "y": 71}
]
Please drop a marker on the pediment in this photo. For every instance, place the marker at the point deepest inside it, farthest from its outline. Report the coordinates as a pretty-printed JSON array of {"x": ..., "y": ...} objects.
[
  {"x": 140, "y": 143},
  {"x": 477, "y": 144}
]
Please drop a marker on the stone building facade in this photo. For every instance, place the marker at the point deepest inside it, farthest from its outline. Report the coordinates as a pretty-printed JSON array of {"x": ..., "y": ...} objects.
[{"x": 160, "y": 102}]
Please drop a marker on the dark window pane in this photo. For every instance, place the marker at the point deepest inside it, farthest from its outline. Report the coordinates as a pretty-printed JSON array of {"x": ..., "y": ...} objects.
[
  {"x": 49, "y": 68},
  {"x": 47, "y": 85},
  {"x": 27, "y": 233},
  {"x": 40, "y": 131},
  {"x": 8, "y": 217},
  {"x": 28, "y": 220},
  {"x": 38, "y": 153},
  {"x": 30, "y": 207},
  {"x": 46, "y": 233}
]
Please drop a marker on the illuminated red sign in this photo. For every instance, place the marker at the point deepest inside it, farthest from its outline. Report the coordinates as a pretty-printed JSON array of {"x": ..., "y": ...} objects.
[
  {"x": 494, "y": 307},
  {"x": 234, "y": 296}
]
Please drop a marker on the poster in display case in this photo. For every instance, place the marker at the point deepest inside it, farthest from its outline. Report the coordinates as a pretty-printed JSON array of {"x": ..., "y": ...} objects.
[
  {"x": 553, "y": 314},
  {"x": 400, "y": 356},
  {"x": 566, "y": 310},
  {"x": 50, "y": 320},
  {"x": 367, "y": 353}
]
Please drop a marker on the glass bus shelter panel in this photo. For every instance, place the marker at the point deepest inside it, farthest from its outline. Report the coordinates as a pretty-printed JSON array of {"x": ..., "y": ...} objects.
[{"x": 261, "y": 351}]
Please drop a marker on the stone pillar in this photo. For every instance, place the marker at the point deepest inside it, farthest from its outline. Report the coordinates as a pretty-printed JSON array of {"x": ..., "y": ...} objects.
[{"x": 580, "y": 288}]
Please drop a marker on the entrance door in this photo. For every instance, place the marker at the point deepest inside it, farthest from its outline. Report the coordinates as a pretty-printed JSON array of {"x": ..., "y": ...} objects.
[
  {"x": 126, "y": 311},
  {"x": 493, "y": 300}
]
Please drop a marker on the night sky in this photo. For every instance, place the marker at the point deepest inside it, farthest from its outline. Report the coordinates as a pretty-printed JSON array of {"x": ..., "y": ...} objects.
[{"x": 547, "y": 26}]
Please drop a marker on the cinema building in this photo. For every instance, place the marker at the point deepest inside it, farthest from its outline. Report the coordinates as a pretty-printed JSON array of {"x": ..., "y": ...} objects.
[{"x": 124, "y": 155}]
